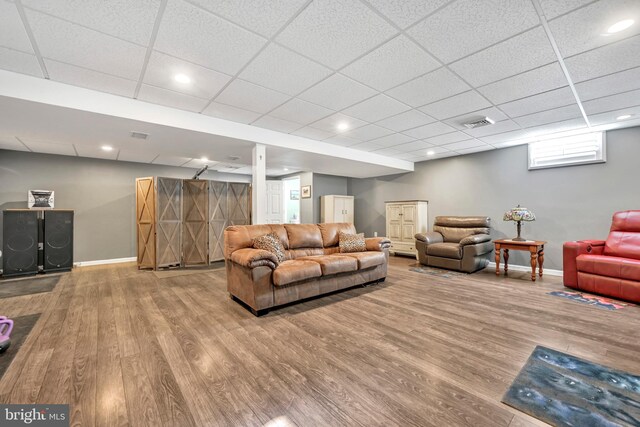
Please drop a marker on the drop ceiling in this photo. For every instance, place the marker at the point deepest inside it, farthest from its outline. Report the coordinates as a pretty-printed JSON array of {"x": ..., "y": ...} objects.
[{"x": 403, "y": 75}]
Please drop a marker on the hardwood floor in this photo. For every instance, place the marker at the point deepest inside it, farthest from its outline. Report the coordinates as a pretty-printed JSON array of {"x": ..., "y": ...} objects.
[{"x": 125, "y": 347}]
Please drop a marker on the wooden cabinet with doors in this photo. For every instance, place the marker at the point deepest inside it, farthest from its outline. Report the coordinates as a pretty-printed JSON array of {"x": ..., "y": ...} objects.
[
  {"x": 335, "y": 208},
  {"x": 405, "y": 218}
]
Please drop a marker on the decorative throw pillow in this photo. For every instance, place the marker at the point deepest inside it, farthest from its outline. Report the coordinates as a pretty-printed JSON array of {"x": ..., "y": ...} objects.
[
  {"x": 351, "y": 242},
  {"x": 270, "y": 242}
]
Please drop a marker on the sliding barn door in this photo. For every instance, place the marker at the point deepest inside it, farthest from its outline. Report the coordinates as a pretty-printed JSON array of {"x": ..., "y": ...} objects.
[
  {"x": 169, "y": 222},
  {"x": 195, "y": 235},
  {"x": 239, "y": 203},
  {"x": 145, "y": 222},
  {"x": 218, "y": 218}
]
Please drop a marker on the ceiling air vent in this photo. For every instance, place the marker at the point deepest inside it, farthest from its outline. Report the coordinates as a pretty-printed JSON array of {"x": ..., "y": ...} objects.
[
  {"x": 234, "y": 158},
  {"x": 486, "y": 121},
  {"x": 139, "y": 135}
]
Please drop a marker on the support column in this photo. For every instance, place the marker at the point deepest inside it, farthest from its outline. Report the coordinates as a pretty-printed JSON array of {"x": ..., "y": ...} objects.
[{"x": 259, "y": 185}]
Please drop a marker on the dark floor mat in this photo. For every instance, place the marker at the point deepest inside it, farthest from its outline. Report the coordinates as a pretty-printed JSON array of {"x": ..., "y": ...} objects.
[
  {"x": 22, "y": 326},
  {"x": 16, "y": 288}
]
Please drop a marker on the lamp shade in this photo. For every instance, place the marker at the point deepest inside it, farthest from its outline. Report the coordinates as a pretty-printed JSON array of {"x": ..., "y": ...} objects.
[{"x": 519, "y": 214}]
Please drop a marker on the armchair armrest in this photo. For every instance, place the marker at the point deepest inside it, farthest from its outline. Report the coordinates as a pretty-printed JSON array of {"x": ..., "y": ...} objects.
[
  {"x": 474, "y": 239},
  {"x": 251, "y": 258},
  {"x": 570, "y": 251},
  {"x": 430, "y": 237},
  {"x": 377, "y": 243}
]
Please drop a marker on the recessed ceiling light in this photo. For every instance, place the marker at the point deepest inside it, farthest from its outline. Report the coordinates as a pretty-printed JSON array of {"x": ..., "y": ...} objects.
[
  {"x": 285, "y": 169},
  {"x": 182, "y": 78},
  {"x": 623, "y": 117},
  {"x": 107, "y": 148},
  {"x": 343, "y": 126},
  {"x": 430, "y": 153},
  {"x": 620, "y": 26},
  {"x": 204, "y": 159}
]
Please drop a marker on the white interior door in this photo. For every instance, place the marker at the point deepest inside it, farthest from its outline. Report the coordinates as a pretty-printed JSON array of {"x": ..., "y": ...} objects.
[{"x": 275, "y": 203}]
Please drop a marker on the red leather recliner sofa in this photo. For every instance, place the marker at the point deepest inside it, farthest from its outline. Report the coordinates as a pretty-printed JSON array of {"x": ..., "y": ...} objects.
[{"x": 609, "y": 267}]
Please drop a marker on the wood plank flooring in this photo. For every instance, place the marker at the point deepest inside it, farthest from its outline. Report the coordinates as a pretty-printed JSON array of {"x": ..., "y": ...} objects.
[{"x": 125, "y": 347}]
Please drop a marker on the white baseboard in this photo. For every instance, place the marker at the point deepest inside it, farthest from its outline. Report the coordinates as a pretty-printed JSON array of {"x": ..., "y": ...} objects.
[
  {"x": 104, "y": 261},
  {"x": 516, "y": 267}
]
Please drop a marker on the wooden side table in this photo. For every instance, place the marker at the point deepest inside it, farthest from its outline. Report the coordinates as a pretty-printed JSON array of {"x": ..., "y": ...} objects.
[{"x": 535, "y": 248}]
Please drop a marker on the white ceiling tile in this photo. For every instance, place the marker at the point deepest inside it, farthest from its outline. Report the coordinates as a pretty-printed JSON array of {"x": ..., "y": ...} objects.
[
  {"x": 493, "y": 113},
  {"x": 342, "y": 140},
  {"x": 397, "y": 61},
  {"x": 162, "y": 69},
  {"x": 251, "y": 97},
  {"x": 368, "y": 132},
  {"x": 377, "y": 108},
  {"x": 583, "y": 29},
  {"x": 392, "y": 140},
  {"x": 19, "y": 62},
  {"x": 608, "y": 85},
  {"x": 437, "y": 150},
  {"x": 142, "y": 156},
  {"x": 465, "y": 26},
  {"x": 11, "y": 143},
  {"x": 613, "y": 102},
  {"x": 554, "y": 8},
  {"x": 368, "y": 146},
  {"x": 513, "y": 143},
  {"x": 476, "y": 149},
  {"x": 202, "y": 38},
  {"x": 96, "y": 152},
  {"x": 12, "y": 32},
  {"x": 388, "y": 151},
  {"x": 516, "y": 55},
  {"x": 335, "y": 32},
  {"x": 550, "y": 128},
  {"x": 432, "y": 87},
  {"x": 170, "y": 160},
  {"x": 605, "y": 60},
  {"x": 406, "y": 12},
  {"x": 549, "y": 116},
  {"x": 299, "y": 111},
  {"x": 463, "y": 145},
  {"x": 544, "y": 101},
  {"x": 404, "y": 155},
  {"x": 437, "y": 156},
  {"x": 262, "y": 16},
  {"x": 499, "y": 127},
  {"x": 276, "y": 124},
  {"x": 281, "y": 69},
  {"x": 448, "y": 138},
  {"x": 198, "y": 163},
  {"x": 169, "y": 98},
  {"x": 427, "y": 131},
  {"x": 413, "y": 146},
  {"x": 76, "y": 45},
  {"x": 506, "y": 136},
  {"x": 40, "y": 146},
  {"x": 456, "y": 105},
  {"x": 330, "y": 124},
  {"x": 526, "y": 84},
  {"x": 313, "y": 133},
  {"x": 337, "y": 92},
  {"x": 128, "y": 20},
  {"x": 407, "y": 120},
  {"x": 612, "y": 116},
  {"x": 228, "y": 112},
  {"x": 89, "y": 79}
]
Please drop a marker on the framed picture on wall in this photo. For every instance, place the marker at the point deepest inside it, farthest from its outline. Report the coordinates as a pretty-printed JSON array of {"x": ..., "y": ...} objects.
[
  {"x": 294, "y": 195},
  {"x": 306, "y": 192}
]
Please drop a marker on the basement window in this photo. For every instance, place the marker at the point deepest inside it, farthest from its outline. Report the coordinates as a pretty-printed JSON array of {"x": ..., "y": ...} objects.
[{"x": 568, "y": 151}]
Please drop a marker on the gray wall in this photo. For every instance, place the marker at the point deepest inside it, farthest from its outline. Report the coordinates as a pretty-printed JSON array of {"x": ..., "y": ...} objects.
[
  {"x": 100, "y": 191},
  {"x": 570, "y": 203}
]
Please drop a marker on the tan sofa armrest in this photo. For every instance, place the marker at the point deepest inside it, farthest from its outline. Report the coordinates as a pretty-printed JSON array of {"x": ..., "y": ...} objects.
[
  {"x": 430, "y": 237},
  {"x": 251, "y": 258},
  {"x": 475, "y": 239},
  {"x": 377, "y": 243}
]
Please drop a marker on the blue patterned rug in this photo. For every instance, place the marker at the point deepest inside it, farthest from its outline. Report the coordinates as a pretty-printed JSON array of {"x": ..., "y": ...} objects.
[
  {"x": 564, "y": 390},
  {"x": 593, "y": 300}
]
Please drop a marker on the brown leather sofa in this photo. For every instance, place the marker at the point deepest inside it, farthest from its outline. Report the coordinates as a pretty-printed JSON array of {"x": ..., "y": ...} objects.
[
  {"x": 459, "y": 243},
  {"x": 313, "y": 265}
]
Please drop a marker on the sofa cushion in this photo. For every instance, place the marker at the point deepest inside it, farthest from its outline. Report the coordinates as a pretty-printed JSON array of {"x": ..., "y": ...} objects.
[
  {"x": 294, "y": 271},
  {"x": 352, "y": 243},
  {"x": 304, "y": 236},
  {"x": 270, "y": 242},
  {"x": 602, "y": 265},
  {"x": 333, "y": 264},
  {"x": 445, "y": 250},
  {"x": 302, "y": 252},
  {"x": 330, "y": 232},
  {"x": 366, "y": 259}
]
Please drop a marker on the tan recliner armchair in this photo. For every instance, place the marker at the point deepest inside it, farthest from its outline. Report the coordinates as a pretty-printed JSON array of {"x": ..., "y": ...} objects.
[{"x": 457, "y": 242}]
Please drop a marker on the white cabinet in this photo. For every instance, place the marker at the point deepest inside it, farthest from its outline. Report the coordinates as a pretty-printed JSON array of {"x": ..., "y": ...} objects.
[
  {"x": 404, "y": 220},
  {"x": 334, "y": 208}
]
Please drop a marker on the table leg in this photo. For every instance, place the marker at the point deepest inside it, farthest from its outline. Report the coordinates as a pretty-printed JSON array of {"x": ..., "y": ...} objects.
[
  {"x": 497, "y": 251},
  {"x": 540, "y": 260},
  {"x": 506, "y": 261},
  {"x": 534, "y": 261}
]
